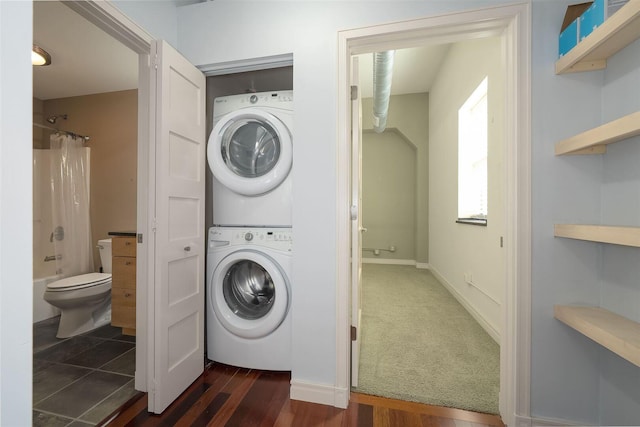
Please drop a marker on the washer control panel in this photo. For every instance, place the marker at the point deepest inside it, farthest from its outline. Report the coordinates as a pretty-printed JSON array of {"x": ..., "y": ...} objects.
[
  {"x": 257, "y": 99},
  {"x": 275, "y": 238}
]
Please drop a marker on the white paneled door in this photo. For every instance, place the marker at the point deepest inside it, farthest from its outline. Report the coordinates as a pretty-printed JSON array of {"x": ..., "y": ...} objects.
[
  {"x": 356, "y": 222},
  {"x": 176, "y": 302}
]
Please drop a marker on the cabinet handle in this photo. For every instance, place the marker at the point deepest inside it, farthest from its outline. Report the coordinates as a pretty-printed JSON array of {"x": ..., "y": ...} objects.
[
  {"x": 127, "y": 294},
  {"x": 187, "y": 248},
  {"x": 127, "y": 263}
]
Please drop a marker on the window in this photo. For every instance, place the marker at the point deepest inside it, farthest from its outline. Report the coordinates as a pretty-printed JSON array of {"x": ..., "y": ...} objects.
[{"x": 472, "y": 157}]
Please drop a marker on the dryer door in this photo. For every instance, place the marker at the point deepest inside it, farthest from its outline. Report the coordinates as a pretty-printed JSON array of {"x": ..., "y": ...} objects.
[
  {"x": 250, "y": 151},
  {"x": 249, "y": 294}
]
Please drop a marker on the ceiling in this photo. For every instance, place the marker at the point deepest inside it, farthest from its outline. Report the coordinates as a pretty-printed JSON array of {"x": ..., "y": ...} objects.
[
  {"x": 86, "y": 60},
  {"x": 414, "y": 69}
]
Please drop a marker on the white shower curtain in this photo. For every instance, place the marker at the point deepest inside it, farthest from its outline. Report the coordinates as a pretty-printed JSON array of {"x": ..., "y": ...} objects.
[{"x": 70, "y": 205}]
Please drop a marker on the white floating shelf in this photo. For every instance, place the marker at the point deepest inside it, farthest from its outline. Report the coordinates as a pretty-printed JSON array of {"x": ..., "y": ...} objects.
[
  {"x": 591, "y": 53},
  {"x": 594, "y": 141},
  {"x": 626, "y": 236},
  {"x": 612, "y": 331}
]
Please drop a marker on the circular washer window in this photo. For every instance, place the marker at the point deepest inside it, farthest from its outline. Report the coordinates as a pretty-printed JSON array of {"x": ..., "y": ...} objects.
[
  {"x": 250, "y": 151},
  {"x": 250, "y": 294},
  {"x": 250, "y": 148},
  {"x": 248, "y": 290}
]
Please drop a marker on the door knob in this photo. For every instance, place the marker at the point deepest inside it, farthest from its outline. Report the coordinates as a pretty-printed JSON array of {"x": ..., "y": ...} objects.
[{"x": 363, "y": 229}]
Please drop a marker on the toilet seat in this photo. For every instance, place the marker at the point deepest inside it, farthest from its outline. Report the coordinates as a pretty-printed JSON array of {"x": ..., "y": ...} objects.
[{"x": 82, "y": 281}]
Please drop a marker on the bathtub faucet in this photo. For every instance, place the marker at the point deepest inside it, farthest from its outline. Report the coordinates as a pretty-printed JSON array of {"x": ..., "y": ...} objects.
[{"x": 52, "y": 258}]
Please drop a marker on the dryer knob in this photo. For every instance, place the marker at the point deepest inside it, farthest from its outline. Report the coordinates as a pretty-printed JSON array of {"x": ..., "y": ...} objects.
[
  {"x": 248, "y": 237},
  {"x": 253, "y": 99}
]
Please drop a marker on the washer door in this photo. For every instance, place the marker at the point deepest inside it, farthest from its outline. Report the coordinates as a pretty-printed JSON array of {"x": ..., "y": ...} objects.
[
  {"x": 249, "y": 294},
  {"x": 250, "y": 151}
]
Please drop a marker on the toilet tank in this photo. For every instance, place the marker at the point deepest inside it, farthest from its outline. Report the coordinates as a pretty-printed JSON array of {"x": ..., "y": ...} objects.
[{"x": 104, "y": 246}]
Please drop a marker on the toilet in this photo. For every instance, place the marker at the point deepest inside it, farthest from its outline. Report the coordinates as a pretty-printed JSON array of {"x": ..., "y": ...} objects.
[{"x": 84, "y": 300}]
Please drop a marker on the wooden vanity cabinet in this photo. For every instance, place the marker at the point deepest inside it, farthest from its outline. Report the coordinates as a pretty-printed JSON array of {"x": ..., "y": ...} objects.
[{"x": 123, "y": 286}]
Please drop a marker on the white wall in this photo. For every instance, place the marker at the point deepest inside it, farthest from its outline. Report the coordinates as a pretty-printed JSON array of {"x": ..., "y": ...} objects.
[
  {"x": 159, "y": 18},
  {"x": 388, "y": 196},
  {"x": 16, "y": 289},
  {"x": 456, "y": 249},
  {"x": 309, "y": 31},
  {"x": 572, "y": 377},
  {"x": 620, "y": 204},
  {"x": 408, "y": 114}
]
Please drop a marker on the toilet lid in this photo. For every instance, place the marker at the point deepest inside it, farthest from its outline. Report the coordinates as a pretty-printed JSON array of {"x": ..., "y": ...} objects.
[{"x": 79, "y": 282}]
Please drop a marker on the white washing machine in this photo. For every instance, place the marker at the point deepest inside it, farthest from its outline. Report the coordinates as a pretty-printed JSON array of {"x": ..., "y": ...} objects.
[
  {"x": 250, "y": 153},
  {"x": 249, "y": 297}
]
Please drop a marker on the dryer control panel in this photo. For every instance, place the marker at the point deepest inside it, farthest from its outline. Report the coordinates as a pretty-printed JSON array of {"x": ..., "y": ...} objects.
[{"x": 274, "y": 238}]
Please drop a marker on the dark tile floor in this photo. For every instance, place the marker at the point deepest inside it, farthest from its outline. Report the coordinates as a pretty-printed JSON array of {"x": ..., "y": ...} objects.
[{"x": 79, "y": 381}]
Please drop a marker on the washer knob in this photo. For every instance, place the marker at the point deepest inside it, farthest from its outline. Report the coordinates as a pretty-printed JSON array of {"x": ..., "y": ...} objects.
[
  {"x": 248, "y": 237},
  {"x": 253, "y": 99}
]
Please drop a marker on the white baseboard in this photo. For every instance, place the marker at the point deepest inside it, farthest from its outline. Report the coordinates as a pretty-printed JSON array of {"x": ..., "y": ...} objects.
[
  {"x": 423, "y": 265},
  {"x": 319, "y": 393},
  {"x": 388, "y": 261},
  {"x": 472, "y": 311},
  {"x": 543, "y": 422}
]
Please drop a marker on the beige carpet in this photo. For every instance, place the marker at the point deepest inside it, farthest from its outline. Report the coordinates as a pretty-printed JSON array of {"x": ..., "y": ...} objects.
[{"x": 419, "y": 344}]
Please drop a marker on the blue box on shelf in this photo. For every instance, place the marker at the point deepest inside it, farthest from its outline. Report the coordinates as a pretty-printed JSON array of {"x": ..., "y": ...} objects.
[
  {"x": 597, "y": 13},
  {"x": 568, "y": 38}
]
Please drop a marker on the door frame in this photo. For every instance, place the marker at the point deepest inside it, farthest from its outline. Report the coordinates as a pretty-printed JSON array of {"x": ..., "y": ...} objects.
[{"x": 513, "y": 23}]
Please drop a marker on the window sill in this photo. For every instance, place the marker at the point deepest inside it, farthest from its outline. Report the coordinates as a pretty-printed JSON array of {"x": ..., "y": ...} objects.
[{"x": 472, "y": 221}]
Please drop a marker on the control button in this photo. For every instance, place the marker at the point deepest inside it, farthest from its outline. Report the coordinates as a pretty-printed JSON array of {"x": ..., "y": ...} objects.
[
  {"x": 248, "y": 237},
  {"x": 253, "y": 99}
]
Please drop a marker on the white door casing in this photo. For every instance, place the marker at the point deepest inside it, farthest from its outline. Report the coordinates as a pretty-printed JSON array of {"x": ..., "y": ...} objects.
[
  {"x": 356, "y": 222},
  {"x": 513, "y": 23},
  {"x": 177, "y": 303}
]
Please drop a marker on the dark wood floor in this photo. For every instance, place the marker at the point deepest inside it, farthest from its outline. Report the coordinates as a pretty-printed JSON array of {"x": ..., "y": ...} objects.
[{"x": 229, "y": 396}]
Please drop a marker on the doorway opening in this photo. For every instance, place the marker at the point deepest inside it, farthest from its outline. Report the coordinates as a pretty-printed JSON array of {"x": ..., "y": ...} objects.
[
  {"x": 100, "y": 104},
  {"x": 510, "y": 23},
  {"x": 426, "y": 278}
]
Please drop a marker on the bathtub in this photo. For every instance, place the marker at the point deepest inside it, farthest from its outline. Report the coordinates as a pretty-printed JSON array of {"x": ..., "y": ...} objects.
[{"x": 41, "y": 309}]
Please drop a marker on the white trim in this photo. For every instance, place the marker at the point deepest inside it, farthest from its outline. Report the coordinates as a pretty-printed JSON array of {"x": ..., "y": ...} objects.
[
  {"x": 343, "y": 218},
  {"x": 145, "y": 251},
  {"x": 469, "y": 307},
  {"x": 242, "y": 66},
  {"x": 513, "y": 23},
  {"x": 319, "y": 393},
  {"x": 543, "y": 422},
  {"x": 106, "y": 16},
  {"x": 515, "y": 349},
  {"x": 423, "y": 265},
  {"x": 388, "y": 261}
]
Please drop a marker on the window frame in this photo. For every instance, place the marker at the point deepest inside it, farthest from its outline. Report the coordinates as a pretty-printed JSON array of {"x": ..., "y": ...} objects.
[{"x": 465, "y": 114}]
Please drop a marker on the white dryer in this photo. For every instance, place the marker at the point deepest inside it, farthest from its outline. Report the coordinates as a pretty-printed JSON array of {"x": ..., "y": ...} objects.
[
  {"x": 248, "y": 297},
  {"x": 250, "y": 153}
]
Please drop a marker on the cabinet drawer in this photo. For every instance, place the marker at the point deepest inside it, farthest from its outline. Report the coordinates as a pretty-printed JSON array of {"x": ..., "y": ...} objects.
[
  {"x": 124, "y": 272},
  {"x": 121, "y": 297},
  {"x": 123, "y": 246}
]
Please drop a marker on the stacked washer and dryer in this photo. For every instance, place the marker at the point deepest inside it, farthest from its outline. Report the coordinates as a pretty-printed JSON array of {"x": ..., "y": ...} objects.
[{"x": 250, "y": 153}]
